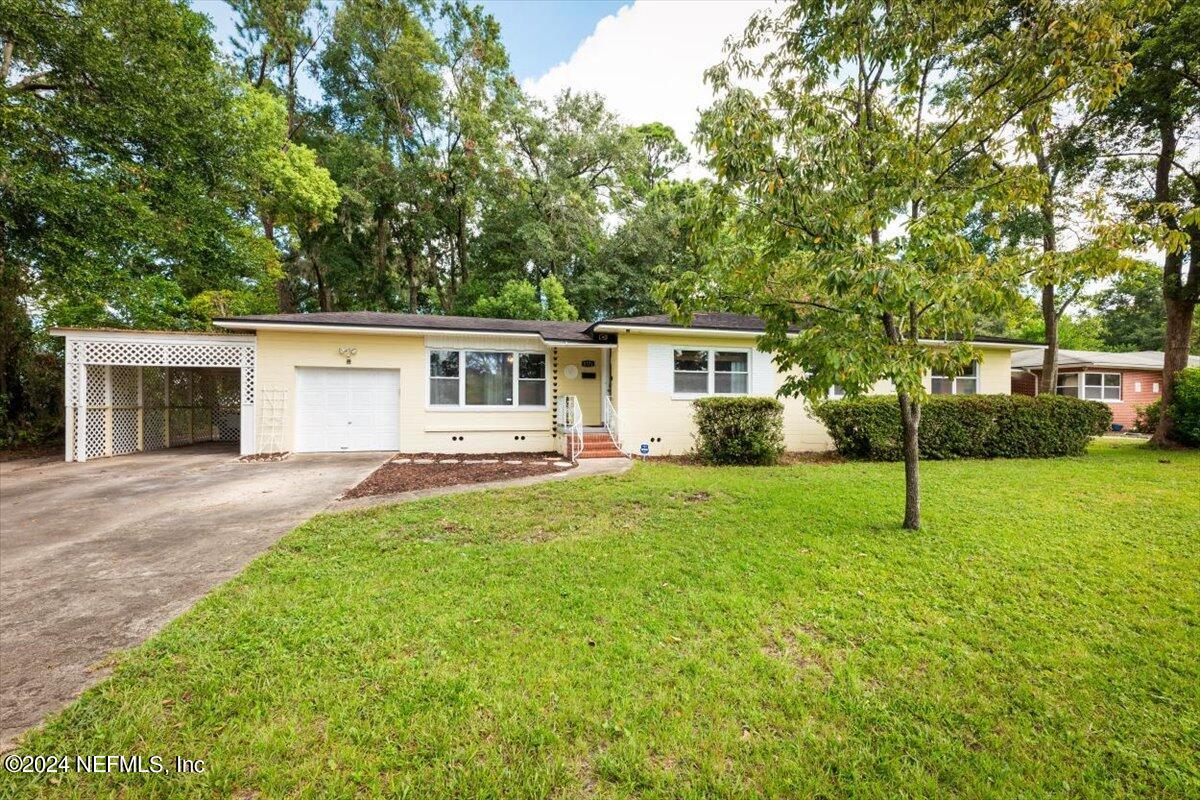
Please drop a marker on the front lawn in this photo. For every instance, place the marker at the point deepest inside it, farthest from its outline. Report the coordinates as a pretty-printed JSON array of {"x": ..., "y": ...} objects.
[{"x": 693, "y": 632}]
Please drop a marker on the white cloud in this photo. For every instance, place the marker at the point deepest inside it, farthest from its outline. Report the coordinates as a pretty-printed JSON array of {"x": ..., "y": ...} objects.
[{"x": 649, "y": 59}]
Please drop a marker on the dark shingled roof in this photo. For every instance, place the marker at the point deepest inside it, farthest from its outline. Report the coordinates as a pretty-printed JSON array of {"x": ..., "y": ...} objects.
[
  {"x": 551, "y": 331},
  {"x": 575, "y": 332}
]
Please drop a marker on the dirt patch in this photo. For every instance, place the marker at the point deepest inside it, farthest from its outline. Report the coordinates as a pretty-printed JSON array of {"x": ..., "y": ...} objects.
[
  {"x": 24, "y": 451},
  {"x": 408, "y": 475},
  {"x": 785, "y": 460},
  {"x": 799, "y": 653},
  {"x": 265, "y": 457}
]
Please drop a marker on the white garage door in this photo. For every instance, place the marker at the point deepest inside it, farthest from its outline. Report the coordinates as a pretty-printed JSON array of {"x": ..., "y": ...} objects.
[{"x": 347, "y": 409}]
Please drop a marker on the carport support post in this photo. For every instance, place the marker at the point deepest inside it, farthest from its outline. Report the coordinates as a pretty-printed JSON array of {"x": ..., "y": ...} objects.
[
  {"x": 81, "y": 413},
  {"x": 246, "y": 438}
]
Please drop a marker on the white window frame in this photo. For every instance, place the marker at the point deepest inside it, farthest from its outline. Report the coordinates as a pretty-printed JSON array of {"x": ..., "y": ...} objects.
[
  {"x": 973, "y": 375},
  {"x": 1120, "y": 387},
  {"x": 462, "y": 406},
  {"x": 712, "y": 371},
  {"x": 836, "y": 392}
]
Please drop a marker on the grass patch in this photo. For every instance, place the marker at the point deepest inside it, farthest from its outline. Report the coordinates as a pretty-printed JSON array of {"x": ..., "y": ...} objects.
[{"x": 682, "y": 632}]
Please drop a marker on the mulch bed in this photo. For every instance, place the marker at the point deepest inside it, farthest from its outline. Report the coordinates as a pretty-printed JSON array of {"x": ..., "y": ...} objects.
[
  {"x": 785, "y": 460},
  {"x": 409, "y": 472}
]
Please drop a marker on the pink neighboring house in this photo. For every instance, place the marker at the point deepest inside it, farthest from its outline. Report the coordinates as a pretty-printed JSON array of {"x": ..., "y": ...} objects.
[{"x": 1126, "y": 381}]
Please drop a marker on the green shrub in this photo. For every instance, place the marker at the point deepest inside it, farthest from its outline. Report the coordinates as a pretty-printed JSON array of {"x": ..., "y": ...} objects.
[
  {"x": 1147, "y": 418},
  {"x": 739, "y": 430},
  {"x": 967, "y": 426},
  {"x": 1185, "y": 406}
]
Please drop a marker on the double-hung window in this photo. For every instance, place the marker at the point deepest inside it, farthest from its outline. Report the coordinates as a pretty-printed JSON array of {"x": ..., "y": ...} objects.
[
  {"x": 966, "y": 383},
  {"x": 487, "y": 378},
  {"x": 711, "y": 371},
  {"x": 1104, "y": 386}
]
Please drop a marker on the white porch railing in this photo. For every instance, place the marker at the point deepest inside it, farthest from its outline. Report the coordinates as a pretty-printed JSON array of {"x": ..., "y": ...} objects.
[
  {"x": 569, "y": 419},
  {"x": 612, "y": 422}
]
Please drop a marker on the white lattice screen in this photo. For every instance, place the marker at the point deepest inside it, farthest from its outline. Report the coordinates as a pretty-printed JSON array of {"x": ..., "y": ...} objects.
[{"x": 125, "y": 395}]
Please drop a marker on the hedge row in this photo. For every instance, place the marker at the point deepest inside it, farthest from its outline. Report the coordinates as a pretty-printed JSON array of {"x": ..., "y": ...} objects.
[
  {"x": 967, "y": 426},
  {"x": 739, "y": 430}
]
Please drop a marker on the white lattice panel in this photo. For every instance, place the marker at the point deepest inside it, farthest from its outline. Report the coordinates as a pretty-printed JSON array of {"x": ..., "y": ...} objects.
[
  {"x": 124, "y": 431},
  {"x": 154, "y": 431},
  {"x": 95, "y": 428},
  {"x": 166, "y": 354},
  {"x": 181, "y": 426},
  {"x": 97, "y": 382},
  {"x": 154, "y": 387},
  {"x": 228, "y": 425},
  {"x": 124, "y": 386}
]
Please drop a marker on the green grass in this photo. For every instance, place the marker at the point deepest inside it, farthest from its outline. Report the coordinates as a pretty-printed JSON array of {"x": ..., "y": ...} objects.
[{"x": 685, "y": 632}]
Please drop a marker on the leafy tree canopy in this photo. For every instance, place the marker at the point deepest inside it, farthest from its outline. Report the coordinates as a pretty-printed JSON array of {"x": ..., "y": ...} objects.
[{"x": 520, "y": 300}]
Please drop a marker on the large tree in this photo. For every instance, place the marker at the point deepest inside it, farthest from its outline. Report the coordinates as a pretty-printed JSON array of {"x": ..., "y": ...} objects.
[
  {"x": 1154, "y": 125},
  {"x": 132, "y": 172},
  {"x": 842, "y": 193}
]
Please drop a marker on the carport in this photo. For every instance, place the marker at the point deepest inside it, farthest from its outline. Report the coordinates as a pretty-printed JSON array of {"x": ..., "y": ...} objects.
[{"x": 133, "y": 391}]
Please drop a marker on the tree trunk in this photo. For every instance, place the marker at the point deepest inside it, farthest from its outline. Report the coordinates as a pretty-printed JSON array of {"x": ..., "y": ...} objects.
[
  {"x": 1050, "y": 311},
  {"x": 910, "y": 423},
  {"x": 414, "y": 284},
  {"x": 1179, "y": 295},
  {"x": 1180, "y": 314},
  {"x": 461, "y": 242},
  {"x": 382, "y": 234},
  {"x": 283, "y": 290},
  {"x": 1048, "y": 383},
  {"x": 324, "y": 295}
]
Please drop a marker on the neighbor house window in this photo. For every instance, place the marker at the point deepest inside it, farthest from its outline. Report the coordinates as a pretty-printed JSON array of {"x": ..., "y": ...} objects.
[
  {"x": 712, "y": 371},
  {"x": 486, "y": 378},
  {"x": 836, "y": 392},
  {"x": 1102, "y": 386},
  {"x": 966, "y": 383},
  {"x": 1068, "y": 384}
]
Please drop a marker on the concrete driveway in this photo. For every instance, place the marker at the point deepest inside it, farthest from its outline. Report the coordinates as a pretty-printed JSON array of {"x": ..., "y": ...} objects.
[{"x": 99, "y": 556}]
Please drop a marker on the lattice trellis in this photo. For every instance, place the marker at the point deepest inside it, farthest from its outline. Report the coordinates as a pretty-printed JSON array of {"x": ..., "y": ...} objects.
[{"x": 127, "y": 395}]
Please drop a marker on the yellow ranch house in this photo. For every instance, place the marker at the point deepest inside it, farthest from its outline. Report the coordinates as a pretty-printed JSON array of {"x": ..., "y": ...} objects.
[{"x": 362, "y": 380}]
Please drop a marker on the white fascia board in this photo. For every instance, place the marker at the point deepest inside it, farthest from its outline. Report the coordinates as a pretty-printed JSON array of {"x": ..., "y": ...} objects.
[
  {"x": 371, "y": 330},
  {"x": 585, "y": 345},
  {"x": 677, "y": 331},
  {"x": 157, "y": 337}
]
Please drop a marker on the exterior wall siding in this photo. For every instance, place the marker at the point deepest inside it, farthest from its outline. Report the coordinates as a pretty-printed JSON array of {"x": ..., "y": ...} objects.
[
  {"x": 654, "y": 416},
  {"x": 421, "y": 429},
  {"x": 586, "y": 389}
]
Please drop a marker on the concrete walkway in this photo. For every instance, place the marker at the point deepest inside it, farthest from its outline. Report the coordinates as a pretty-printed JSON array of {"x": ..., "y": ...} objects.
[
  {"x": 587, "y": 468},
  {"x": 97, "y": 557}
]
